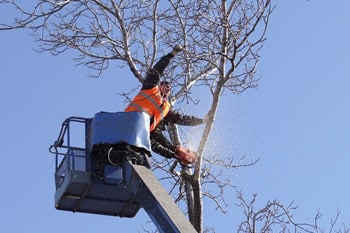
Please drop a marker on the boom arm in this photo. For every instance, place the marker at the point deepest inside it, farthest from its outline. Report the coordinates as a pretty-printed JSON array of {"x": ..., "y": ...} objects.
[{"x": 158, "y": 204}]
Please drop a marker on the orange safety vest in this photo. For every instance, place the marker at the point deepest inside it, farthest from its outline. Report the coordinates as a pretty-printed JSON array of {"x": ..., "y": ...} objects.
[{"x": 151, "y": 102}]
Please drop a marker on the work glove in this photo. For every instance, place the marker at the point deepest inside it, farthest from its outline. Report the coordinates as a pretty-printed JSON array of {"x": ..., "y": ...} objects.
[
  {"x": 184, "y": 155},
  {"x": 176, "y": 50}
]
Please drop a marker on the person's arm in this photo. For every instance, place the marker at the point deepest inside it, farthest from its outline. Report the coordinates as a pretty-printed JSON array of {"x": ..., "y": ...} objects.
[
  {"x": 161, "y": 145},
  {"x": 153, "y": 75},
  {"x": 176, "y": 117}
]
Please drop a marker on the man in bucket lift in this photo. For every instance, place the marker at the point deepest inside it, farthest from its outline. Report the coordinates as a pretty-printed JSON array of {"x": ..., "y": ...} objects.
[{"x": 153, "y": 99}]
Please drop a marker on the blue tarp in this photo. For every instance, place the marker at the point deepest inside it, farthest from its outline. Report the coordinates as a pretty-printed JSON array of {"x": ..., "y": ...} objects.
[{"x": 121, "y": 127}]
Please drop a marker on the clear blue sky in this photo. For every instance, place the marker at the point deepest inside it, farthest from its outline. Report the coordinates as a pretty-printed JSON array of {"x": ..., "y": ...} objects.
[{"x": 296, "y": 123}]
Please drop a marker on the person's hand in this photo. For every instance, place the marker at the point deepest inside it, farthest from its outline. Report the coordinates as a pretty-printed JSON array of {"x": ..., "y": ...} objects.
[
  {"x": 185, "y": 156},
  {"x": 176, "y": 50}
]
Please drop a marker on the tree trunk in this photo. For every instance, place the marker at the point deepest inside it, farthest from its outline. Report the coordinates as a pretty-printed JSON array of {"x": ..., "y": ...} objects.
[{"x": 187, "y": 175}]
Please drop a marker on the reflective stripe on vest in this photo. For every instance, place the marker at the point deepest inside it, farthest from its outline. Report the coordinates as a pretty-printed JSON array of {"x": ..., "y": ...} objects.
[{"x": 151, "y": 102}]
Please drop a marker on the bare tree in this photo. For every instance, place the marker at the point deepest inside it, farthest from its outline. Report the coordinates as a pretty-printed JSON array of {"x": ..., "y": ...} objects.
[
  {"x": 276, "y": 217},
  {"x": 221, "y": 40}
]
